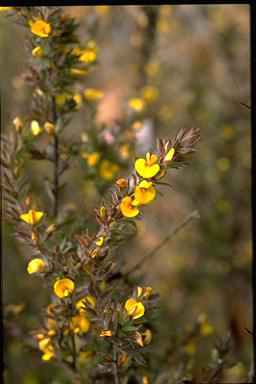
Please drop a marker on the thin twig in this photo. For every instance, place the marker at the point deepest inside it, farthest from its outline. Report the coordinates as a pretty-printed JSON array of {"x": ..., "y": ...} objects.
[
  {"x": 191, "y": 216},
  {"x": 115, "y": 365}
]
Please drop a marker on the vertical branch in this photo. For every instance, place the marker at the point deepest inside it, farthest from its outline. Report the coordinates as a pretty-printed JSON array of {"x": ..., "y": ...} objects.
[
  {"x": 56, "y": 162},
  {"x": 115, "y": 365}
]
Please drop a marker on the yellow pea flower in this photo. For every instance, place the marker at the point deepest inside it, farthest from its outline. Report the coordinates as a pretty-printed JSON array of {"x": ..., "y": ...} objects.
[
  {"x": 145, "y": 380},
  {"x": 36, "y": 265},
  {"x": 105, "y": 333},
  {"x": 147, "y": 168},
  {"x": 78, "y": 100},
  {"x": 80, "y": 324},
  {"x": 40, "y": 28},
  {"x": 32, "y": 217},
  {"x": 149, "y": 93},
  {"x": 62, "y": 98},
  {"x": 138, "y": 338},
  {"x": 49, "y": 128},
  {"x": 137, "y": 104},
  {"x": 169, "y": 155},
  {"x": 5, "y": 9},
  {"x": 87, "y": 56},
  {"x": 147, "y": 336},
  {"x": 144, "y": 192},
  {"x": 121, "y": 182},
  {"x": 108, "y": 170},
  {"x": 37, "y": 52},
  {"x": 206, "y": 329},
  {"x": 63, "y": 287},
  {"x": 18, "y": 124},
  {"x": 49, "y": 353},
  {"x": 148, "y": 293},
  {"x": 139, "y": 291},
  {"x": 100, "y": 241},
  {"x": 44, "y": 343},
  {"x": 92, "y": 158},
  {"x": 134, "y": 308},
  {"x": 93, "y": 94},
  {"x": 128, "y": 207},
  {"x": 35, "y": 127},
  {"x": 85, "y": 301}
]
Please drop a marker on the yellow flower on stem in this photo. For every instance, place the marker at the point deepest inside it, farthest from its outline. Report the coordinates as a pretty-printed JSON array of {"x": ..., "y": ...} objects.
[
  {"x": 32, "y": 217},
  {"x": 134, "y": 308},
  {"x": 84, "y": 302},
  {"x": 206, "y": 329},
  {"x": 147, "y": 168},
  {"x": 138, "y": 338},
  {"x": 144, "y": 192},
  {"x": 149, "y": 93},
  {"x": 128, "y": 207},
  {"x": 121, "y": 182},
  {"x": 49, "y": 127},
  {"x": 35, "y": 128},
  {"x": 108, "y": 170},
  {"x": 80, "y": 324},
  {"x": 37, "y": 52},
  {"x": 87, "y": 56},
  {"x": 92, "y": 158},
  {"x": 148, "y": 293},
  {"x": 61, "y": 98},
  {"x": 139, "y": 291},
  {"x": 169, "y": 155},
  {"x": 40, "y": 28},
  {"x": 18, "y": 124},
  {"x": 137, "y": 104},
  {"x": 5, "y": 9},
  {"x": 93, "y": 94},
  {"x": 105, "y": 333},
  {"x": 64, "y": 287},
  {"x": 147, "y": 336},
  {"x": 36, "y": 265},
  {"x": 44, "y": 343},
  {"x": 100, "y": 241}
]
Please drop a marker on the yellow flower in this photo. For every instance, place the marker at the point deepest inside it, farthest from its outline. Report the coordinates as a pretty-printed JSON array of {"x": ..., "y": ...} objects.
[
  {"x": 138, "y": 338},
  {"x": 37, "y": 52},
  {"x": 62, "y": 98},
  {"x": 169, "y": 155},
  {"x": 206, "y": 329},
  {"x": 49, "y": 128},
  {"x": 147, "y": 336},
  {"x": 77, "y": 71},
  {"x": 78, "y": 99},
  {"x": 144, "y": 192},
  {"x": 80, "y": 324},
  {"x": 139, "y": 291},
  {"x": 105, "y": 333},
  {"x": 147, "y": 168},
  {"x": 84, "y": 302},
  {"x": 87, "y": 56},
  {"x": 92, "y": 158},
  {"x": 36, "y": 265},
  {"x": 32, "y": 217},
  {"x": 48, "y": 352},
  {"x": 35, "y": 127},
  {"x": 18, "y": 124},
  {"x": 93, "y": 94},
  {"x": 108, "y": 170},
  {"x": 149, "y": 93},
  {"x": 145, "y": 380},
  {"x": 137, "y": 125},
  {"x": 134, "y": 308},
  {"x": 137, "y": 104},
  {"x": 148, "y": 293},
  {"x": 44, "y": 343},
  {"x": 63, "y": 287},
  {"x": 5, "y": 8},
  {"x": 100, "y": 241},
  {"x": 128, "y": 207},
  {"x": 40, "y": 28},
  {"x": 121, "y": 182}
]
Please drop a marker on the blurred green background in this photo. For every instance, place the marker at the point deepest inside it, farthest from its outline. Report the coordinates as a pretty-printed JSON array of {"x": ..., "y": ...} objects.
[{"x": 199, "y": 62}]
